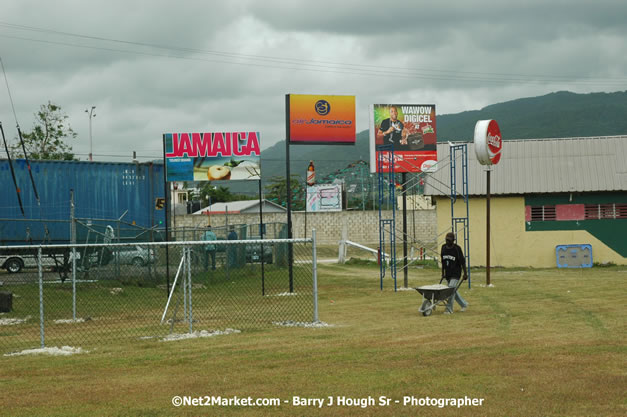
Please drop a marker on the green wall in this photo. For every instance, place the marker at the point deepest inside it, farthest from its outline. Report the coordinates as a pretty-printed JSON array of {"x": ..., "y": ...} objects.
[
  {"x": 575, "y": 198},
  {"x": 612, "y": 232}
]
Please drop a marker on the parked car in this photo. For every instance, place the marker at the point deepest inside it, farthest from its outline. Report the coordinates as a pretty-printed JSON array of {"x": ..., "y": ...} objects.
[
  {"x": 253, "y": 252},
  {"x": 125, "y": 255},
  {"x": 15, "y": 262},
  {"x": 133, "y": 255}
]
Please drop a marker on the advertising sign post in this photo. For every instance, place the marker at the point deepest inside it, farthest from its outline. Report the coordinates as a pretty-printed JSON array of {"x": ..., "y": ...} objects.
[
  {"x": 315, "y": 120},
  {"x": 488, "y": 147},
  {"x": 209, "y": 156},
  {"x": 411, "y": 130}
]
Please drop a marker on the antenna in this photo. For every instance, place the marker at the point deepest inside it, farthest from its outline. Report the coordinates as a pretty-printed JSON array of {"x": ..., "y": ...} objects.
[{"x": 19, "y": 134}]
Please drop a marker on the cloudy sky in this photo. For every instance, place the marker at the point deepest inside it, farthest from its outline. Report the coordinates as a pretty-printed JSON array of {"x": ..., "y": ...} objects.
[{"x": 157, "y": 66}]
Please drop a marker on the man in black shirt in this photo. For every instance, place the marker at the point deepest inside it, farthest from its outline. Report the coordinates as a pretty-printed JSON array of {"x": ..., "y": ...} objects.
[
  {"x": 393, "y": 130},
  {"x": 453, "y": 263}
]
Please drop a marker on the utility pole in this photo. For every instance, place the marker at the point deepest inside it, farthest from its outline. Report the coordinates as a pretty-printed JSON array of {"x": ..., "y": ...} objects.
[{"x": 91, "y": 114}]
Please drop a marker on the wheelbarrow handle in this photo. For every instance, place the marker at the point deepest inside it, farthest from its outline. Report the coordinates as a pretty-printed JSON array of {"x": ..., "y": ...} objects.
[{"x": 459, "y": 283}]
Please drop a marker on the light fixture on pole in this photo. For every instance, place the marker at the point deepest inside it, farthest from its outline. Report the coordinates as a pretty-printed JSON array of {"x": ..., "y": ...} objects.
[{"x": 91, "y": 114}]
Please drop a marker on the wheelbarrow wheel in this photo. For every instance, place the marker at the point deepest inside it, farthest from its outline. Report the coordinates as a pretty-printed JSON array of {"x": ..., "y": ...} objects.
[{"x": 427, "y": 308}]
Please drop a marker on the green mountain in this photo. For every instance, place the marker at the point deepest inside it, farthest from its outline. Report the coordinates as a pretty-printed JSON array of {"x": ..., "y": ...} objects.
[
  {"x": 556, "y": 115},
  {"x": 326, "y": 158}
]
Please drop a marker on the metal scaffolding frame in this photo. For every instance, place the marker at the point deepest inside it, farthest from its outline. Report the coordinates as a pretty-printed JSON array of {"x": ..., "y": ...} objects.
[
  {"x": 460, "y": 222},
  {"x": 386, "y": 226}
]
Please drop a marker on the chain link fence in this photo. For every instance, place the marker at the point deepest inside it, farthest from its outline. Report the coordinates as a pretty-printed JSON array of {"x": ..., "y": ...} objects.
[
  {"x": 89, "y": 294},
  {"x": 243, "y": 231}
]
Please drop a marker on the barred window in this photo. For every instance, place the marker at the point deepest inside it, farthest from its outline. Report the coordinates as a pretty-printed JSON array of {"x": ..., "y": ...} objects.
[
  {"x": 542, "y": 213},
  {"x": 605, "y": 211}
]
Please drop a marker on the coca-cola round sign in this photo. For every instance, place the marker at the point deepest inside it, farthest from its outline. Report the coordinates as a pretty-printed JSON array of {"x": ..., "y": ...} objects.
[{"x": 488, "y": 142}]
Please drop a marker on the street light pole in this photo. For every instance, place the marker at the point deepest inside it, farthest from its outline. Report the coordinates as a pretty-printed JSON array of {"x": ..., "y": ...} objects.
[{"x": 91, "y": 114}]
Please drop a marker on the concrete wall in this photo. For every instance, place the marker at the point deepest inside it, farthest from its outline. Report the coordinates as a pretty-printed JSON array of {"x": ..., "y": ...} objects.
[
  {"x": 510, "y": 244},
  {"x": 361, "y": 226}
]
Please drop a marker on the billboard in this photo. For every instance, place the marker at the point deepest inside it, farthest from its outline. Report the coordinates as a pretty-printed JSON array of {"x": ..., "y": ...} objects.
[
  {"x": 410, "y": 129},
  {"x": 212, "y": 156},
  {"x": 314, "y": 119},
  {"x": 324, "y": 197}
]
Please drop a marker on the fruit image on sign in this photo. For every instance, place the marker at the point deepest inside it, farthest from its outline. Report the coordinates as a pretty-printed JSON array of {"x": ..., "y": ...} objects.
[
  {"x": 488, "y": 142},
  {"x": 218, "y": 172}
]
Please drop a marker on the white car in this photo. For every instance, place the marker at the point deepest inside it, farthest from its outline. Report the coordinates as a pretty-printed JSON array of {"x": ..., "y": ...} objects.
[
  {"x": 125, "y": 255},
  {"x": 133, "y": 255},
  {"x": 15, "y": 262}
]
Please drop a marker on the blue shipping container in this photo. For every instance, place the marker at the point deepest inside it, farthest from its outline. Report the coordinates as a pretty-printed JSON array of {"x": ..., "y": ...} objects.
[{"x": 103, "y": 192}]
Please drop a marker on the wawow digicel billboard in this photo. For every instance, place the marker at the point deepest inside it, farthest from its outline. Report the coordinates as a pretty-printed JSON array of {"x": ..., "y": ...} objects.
[
  {"x": 212, "y": 156},
  {"x": 411, "y": 130},
  {"x": 320, "y": 119}
]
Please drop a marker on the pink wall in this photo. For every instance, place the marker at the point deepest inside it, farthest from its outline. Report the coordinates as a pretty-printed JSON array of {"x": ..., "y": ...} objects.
[{"x": 569, "y": 211}]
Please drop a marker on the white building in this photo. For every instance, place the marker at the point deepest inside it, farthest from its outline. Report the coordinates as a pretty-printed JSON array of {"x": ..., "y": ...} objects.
[{"x": 241, "y": 207}]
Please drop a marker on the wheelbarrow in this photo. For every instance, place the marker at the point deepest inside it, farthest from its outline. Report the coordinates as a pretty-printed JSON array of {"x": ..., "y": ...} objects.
[{"x": 435, "y": 295}]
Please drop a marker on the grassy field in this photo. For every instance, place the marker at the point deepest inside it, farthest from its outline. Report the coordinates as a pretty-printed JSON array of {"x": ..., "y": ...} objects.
[{"x": 538, "y": 343}]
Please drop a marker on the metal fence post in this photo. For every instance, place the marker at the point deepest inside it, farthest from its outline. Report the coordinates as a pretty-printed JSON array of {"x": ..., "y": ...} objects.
[
  {"x": 184, "y": 282},
  {"x": 41, "y": 298},
  {"x": 315, "y": 275},
  {"x": 117, "y": 257},
  {"x": 74, "y": 283},
  {"x": 73, "y": 241},
  {"x": 189, "y": 280}
]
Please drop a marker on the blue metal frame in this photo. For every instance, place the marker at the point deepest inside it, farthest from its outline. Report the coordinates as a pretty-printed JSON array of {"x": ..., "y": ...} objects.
[
  {"x": 463, "y": 221},
  {"x": 383, "y": 152}
]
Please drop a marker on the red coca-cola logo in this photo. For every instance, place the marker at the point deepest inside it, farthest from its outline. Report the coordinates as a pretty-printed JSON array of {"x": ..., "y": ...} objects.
[{"x": 495, "y": 142}]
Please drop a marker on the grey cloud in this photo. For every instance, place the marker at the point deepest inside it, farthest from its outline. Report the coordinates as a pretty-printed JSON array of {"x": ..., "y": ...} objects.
[
  {"x": 176, "y": 30},
  {"x": 376, "y": 17},
  {"x": 460, "y": 55}
]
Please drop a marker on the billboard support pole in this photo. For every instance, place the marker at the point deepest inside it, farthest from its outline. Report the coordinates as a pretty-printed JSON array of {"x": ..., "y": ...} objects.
[
  {"x": 290, "y": 256},
  {"x": 404, "y": 190},
  {"x": 167, "y": 230},
  {"x": 488, "y": 147},
  {"x": 487, "y": 237},
  {"x": 305, "y": 228}
]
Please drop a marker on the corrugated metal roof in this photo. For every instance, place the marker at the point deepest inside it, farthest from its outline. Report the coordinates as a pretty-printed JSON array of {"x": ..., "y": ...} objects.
[{"x": 541, "y": 166}]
